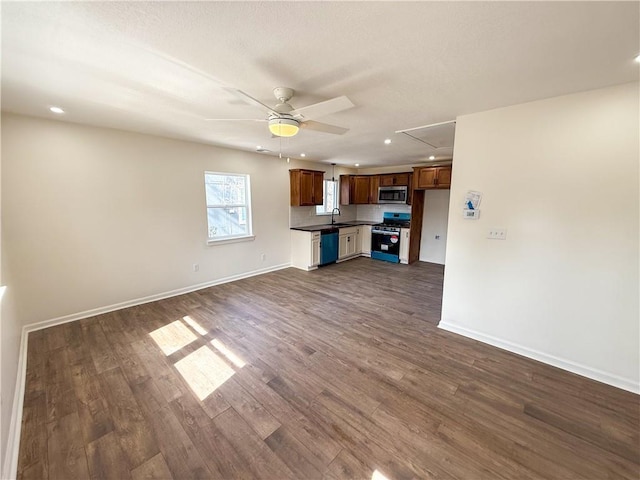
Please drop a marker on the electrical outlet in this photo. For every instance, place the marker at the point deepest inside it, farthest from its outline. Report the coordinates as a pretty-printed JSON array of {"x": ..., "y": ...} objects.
[
  {"x": 497, "y": 234},
  {"x": 196, "y": 267}
]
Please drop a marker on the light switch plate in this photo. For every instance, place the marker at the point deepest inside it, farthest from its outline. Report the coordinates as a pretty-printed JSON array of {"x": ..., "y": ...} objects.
[{"x": 471, "y": 214}]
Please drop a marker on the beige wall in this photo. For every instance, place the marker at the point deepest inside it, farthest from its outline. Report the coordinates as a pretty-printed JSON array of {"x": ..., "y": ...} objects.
[
  {"x": 561, "y": 175},
  {"x": 94, "y": 217},
  {"x": 10, "y": 330},
  {"x": 10, "y": 335}
]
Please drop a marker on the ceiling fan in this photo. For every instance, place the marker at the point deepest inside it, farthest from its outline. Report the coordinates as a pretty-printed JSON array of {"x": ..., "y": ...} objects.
[{"x": 286, "y": 121}]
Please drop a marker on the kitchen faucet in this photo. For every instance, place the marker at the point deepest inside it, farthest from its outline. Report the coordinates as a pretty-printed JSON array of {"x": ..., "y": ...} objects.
[{"x": 332, "y": 212}]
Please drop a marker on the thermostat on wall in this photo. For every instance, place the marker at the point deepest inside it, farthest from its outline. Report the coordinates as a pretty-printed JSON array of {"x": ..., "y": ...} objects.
[{"x": 471, "y": 214}]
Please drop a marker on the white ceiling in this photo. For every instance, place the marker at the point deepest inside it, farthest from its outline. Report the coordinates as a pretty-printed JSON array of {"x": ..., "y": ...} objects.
[{"x": 161, "y": 67}]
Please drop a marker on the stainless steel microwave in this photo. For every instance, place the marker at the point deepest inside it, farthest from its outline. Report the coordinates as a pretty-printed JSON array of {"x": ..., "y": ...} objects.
[{"x": 392, "y": 194}]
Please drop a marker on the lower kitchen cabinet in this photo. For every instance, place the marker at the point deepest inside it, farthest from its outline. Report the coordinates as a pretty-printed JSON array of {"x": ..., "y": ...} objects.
[
  {"x": 365, "y": 240},
  {"x": 315, "y": 249},
  {"x": 348, "y": 242},
  {"x": 305, "y": 249},
  {"x": 404, "y": 245}
]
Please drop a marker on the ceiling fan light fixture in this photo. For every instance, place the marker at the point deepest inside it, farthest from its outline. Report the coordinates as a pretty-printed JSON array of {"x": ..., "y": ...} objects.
[{"x": 283, "y": 127}]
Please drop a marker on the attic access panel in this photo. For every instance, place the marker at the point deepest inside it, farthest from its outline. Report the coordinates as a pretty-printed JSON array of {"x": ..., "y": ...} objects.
[{"x": 438, "y": 136}]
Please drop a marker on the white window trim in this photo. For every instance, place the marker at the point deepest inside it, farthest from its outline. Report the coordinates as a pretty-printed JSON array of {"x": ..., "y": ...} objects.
[
  {"x": 235, "y": 238},
  {"x": 222, "y": 241},
  {"x": 337, "y": 197}
]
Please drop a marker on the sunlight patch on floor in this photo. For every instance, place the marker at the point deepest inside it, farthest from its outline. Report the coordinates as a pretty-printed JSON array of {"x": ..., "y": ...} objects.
[
  {"x": 173, "y": 337},
  {"x": 378, "y": 476},
  {"x": 195, "y": 325},
  {"x": 229, "y": 355},
  {"x": 204, "y": 371}
]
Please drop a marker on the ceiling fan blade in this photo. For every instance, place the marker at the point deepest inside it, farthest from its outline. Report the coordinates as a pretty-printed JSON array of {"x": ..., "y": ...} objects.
[
  {"x": 235, "y": 119},
  {"x": 323, "y": 108},
  {"x": 250, "y": 100},
  {"x": 323, "y": 127}
]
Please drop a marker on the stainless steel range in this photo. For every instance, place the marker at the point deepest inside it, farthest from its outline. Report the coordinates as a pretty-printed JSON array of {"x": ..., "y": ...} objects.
[{"x": 385, "y": 236}]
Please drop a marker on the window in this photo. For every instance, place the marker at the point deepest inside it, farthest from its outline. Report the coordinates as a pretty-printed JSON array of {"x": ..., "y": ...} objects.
[
  {"x": 330, "y": 195},
  {"x": 228, "y": 205}
]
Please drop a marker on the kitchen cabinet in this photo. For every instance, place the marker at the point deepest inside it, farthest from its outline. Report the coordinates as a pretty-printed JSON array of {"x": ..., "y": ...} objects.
[
  {"x": 417, "y": 214},
  {"x": 358, "y": 241},
  {"x": 306, "y": 187},
  {"x": 345, "y": 189},
  {"x": 431, "y": 177},
  {"x": 305, "y": 249},
  {"x": 360, "y": 189},
  {"x": 374, "y": 183},
  {"x": 394, "y": 180},
  {"x": 363, "y": 189},
  {"x": 357, "y": 189},
  {"x": 315, "y": 249},
  {"x": 365, "y": 240},
  {"x": 347, "y": 242},
  {"x": 410, "y": 190},
  {"x": 404, "y": 245}
]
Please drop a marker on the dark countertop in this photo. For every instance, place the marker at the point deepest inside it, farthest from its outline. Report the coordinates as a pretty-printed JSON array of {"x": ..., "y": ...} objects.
[{"x": 319, "y": 228}]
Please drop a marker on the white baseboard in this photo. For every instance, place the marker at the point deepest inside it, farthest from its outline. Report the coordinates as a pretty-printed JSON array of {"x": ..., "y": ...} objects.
[
  {"x": 10, "y": 470},
  {"x": 583, "y": 370},
  {"x": 151, "y": 298}
]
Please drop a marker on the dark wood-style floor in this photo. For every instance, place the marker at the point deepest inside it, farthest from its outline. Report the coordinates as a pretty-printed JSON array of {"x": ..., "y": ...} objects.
[{"x": 337, "y": 373}]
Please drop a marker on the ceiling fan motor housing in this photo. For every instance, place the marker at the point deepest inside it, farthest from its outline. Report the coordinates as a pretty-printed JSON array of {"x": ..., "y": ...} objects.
[{"x": 283, "y": 94}]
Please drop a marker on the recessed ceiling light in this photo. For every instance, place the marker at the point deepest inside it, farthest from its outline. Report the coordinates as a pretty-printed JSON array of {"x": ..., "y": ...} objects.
[
  {"x": 303, "y": 155},
  {"x": 432, "y": 157},
  {"x": 356, "y": 165},
  {"x": 258, "y": 147},
  {"x": 638, "y": 59},
  {"x": 56, "y": 109},
  {"x": 387, "y": 141}
]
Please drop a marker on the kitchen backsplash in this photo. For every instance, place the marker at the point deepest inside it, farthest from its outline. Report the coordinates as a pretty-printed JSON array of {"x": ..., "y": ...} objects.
[
  {"x": 374, "y": 212},
  {"x": 305, "y": 216}
]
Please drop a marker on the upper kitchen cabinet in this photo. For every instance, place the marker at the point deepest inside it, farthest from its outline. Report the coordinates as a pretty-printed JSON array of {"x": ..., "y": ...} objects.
[
  {"x": 431, "y": 177},
  {"x": 363, "y": 189},
  {"x": 306, "y": 187},
  {"x": 374, "y": 184},
  {"x": 394, "y": 179},
  {"x": 355, "y": 189},
  {"x": 360, "y": 189}
]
